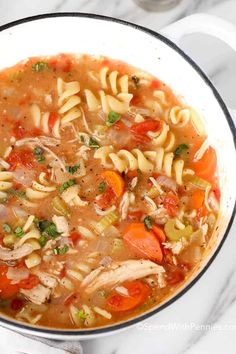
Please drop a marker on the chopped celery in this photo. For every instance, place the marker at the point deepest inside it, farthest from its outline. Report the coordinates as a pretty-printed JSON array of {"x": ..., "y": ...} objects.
[
  {"x": 105, "y": 222},
  {"x": 199, "y": 182},
  {"x": 117, "y": 245},
  {"x": 60, "y": 206},
  {"x": 173, "y": 234}
]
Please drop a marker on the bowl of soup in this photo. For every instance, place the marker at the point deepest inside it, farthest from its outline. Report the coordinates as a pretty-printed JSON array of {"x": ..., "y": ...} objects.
[{"x": 116, "y": 178}]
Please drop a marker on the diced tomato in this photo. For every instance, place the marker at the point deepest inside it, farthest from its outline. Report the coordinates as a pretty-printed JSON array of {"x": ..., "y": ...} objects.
[
  {"x": 18, "y": 131},
  {"x": 75, "y": 236},
  {"x": 155, "y": 84},
  {"x": 135, "y": 215},
  {"x": 17, "y": 304},
  {"x": 217, "y": 194},
  {"x": 206, "y": 166},
  {"x": 53, "y": 117},
  {"x": 63, "y": 272},
  {"x": 21, "y": 158},
  {"x": 7, "y": 289},
  {"x": 135, "y": 100},
  {"x": 29, "y": 283},
  {"x": 132, "y": 174},
  {"x": 61, "y": 62},
  {"x": 106, "y": 199},
  {"x": 175, "y": 277},
  {"x": 144, "y": 127},
  {"x": 138, "y": 294},
  {"x": 35, "y": 132},
  {"x": 170, "y": 203}
]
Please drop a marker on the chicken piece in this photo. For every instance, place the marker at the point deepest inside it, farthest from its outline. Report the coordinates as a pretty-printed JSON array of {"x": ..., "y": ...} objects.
[
  {"x": 118, "y": 272},
  {"x": 38, "y": 295},
  {"x": 47, "y": 280},
  {"x": 10, "y": 255},
  {"x": 61, "y": 225}
]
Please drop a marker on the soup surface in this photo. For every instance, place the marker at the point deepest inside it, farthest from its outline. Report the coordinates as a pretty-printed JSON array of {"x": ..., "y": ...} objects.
[{"x": 108, "y": 191}]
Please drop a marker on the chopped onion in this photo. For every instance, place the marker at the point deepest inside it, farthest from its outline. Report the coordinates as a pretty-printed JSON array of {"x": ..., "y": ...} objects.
[
  {"x": 3, "y": 211},
  {"x": 17, "y": 274},
  {"x": 106, "y": 261},
  {"x": 19, "y": 212},
  {"x": 122, "y": 290},
  {"x": 24, "y": 176}
]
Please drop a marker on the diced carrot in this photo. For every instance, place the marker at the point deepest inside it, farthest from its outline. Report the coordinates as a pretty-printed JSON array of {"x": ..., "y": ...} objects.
[
  {"x": 144, "y": 127},
  {"x": 115, "y": 181},
  {"x": 206, "y": 166},
  {"x": 158, "y": 231},
  {"x": 197, "y": 199},
  {"x": 142, "y": 242},
  {"x": 138, "y": 294}
]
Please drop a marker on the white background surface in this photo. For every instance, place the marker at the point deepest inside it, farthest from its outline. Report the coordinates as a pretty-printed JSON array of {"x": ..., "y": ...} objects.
[{"x": 212, "y": 301}]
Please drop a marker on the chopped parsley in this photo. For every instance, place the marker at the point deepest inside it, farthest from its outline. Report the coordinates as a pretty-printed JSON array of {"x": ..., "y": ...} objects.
[
  {"x": 61, "y": 251},
  {"x": 66, "y": 185},
  {"x": 6, "y": 228},
  {"x": 48, "y": 228},
  {"x": 81, "y": 315},
  {"x": 102, "y": 187},
  {"x": 72, "y": 169},
  {"x": 148, "y": 222},
  {"x": 180, "y": 150},
  {"x": 40, "y": 66},
  {"x": 113, "y": 117},
  {"x": 42, "y": 241},
  {"x": 93, "y": 144},
  {"x": 38, "y": 153},
  {"x": 19, "y": 231},
  {"x": 135, "y": 80}
]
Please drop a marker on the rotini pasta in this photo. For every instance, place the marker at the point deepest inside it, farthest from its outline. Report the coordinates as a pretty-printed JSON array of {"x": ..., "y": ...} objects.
[
  {"x": 41, "y": 120},
  {"x": 119, "y": 103},
  {"x": 68, "y": 100},
  {"x": 5, "y": 183},
  {"x": 113, "y": 82},
  {"x": 71, "y": 197},
  {"x": 40, "y": 190},
  {"x": 178, "y": 117},
  {"x": 163, "y": 138}
]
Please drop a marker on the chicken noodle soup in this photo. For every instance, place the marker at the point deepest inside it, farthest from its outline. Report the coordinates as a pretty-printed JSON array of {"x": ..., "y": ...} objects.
[{"x": 108, "y": 189}]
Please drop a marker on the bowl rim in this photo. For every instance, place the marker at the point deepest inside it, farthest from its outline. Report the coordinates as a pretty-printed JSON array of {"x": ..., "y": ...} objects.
[{"x": 40, "y": 331}]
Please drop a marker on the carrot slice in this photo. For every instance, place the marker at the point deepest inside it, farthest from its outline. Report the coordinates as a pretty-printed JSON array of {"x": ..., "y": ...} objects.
[
  {"x": 197, "y": 199},
  {"x": 142, "y": 242},
  {"x": 158, "y": 231},
  {"x": 206, "y": 166},
  {"x": 115, "y": 181},
  {"x": 138, "y": 293}
]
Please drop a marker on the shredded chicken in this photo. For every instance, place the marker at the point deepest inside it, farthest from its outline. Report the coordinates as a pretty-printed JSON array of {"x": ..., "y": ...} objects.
[
  {"x": 83, "y": 152},
  {"x": 46, "y": 280},
  {"x": 10, "y": 255},
  {"x": 61, "y": 225},
  {"x": 176, "y": 247},
  {"x": 127, "y": 199},
  {"x": 38, "y": 295},
  {"x": 118, "y": 272}
]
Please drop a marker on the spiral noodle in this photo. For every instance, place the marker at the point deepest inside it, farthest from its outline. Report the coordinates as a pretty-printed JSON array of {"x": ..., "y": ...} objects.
[
  {"x": 31, "y": 234},
  {"x": 119, "y": 104},
  {"x": 40, "y": 190},
  {"x": 71, "y": 197},
  {"x": 159, "y": 104},
  {"x": 111, "y": 80},
  {"x": 178, "y": 117},
  {"x": 147, "y": 161},
  {"x": 163, "y": 138},
  {"x": 41, "y": 121},
  {"x": 5, "y": 183},
  {"x": 68, "y": 100}
]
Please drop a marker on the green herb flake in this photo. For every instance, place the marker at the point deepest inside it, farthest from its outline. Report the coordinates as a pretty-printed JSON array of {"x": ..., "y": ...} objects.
[
  {"x": 93, "y": 144},
  {"x": 66, "y": 185},
  {"x": 180, "y": 150},
  {"x": 135, "y": 80},
  {"x": 6, "y": 228},
  {"x": 19, "y": 231},
  {"x": 40, "y": 66},
  {"x": 113, "y": 117},
  {"x": 102, "y": 187},
  {"x": 42, "y": 241},
  {"x": 81, "y": 315},
  {"x": 48, "y": 228},
  {"x": 148, "y": 222},
  {"x": 72, "y": 169},
  {"x": 61, "y": 251},
  {"x": 38, "y": 153}
]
